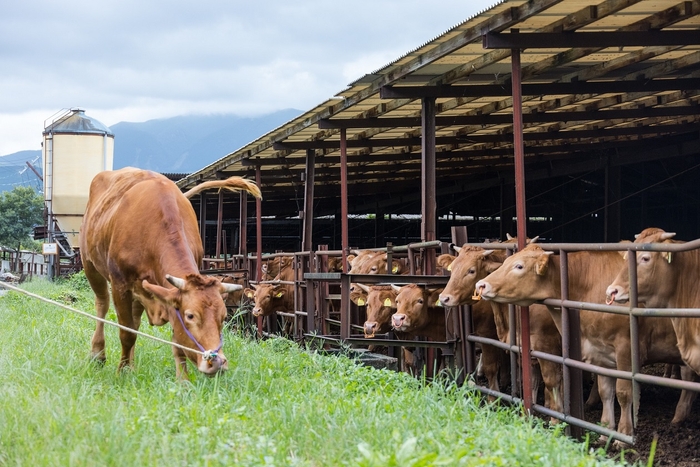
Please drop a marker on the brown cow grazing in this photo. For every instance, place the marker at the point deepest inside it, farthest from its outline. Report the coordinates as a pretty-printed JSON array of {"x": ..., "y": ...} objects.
[
  {"x": 666, "y": 280},
  {"x": 140, "y": 236},
  {"x": 534, "y": 274},
  {"x": 473, "y": 264}
]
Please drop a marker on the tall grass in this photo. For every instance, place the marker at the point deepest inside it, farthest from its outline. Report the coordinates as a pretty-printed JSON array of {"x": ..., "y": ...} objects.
[{"x": 277, "y": 405}]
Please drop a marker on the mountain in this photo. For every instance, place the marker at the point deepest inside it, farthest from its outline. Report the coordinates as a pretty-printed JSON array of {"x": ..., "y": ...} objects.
[
  {"x": 185, "y": 144},
  {"x": 14, "y": 170},
  {"x": 182, "y": 144}
]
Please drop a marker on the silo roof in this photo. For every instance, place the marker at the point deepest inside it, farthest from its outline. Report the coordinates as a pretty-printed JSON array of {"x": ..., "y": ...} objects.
[{"x": 75, "y": 121}]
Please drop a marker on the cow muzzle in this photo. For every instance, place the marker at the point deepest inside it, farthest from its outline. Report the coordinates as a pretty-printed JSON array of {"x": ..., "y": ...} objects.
[
  {"x": 484, "y": 290},
  {"x": 398, "y": 322},
  {"x": 615, "y": 293},
  {"x": 212, "y": 362},
  {"x": 370, "y": 329}
]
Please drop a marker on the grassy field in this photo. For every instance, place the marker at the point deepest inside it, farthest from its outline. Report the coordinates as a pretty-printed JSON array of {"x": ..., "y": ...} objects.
[{"x": 278, "y": 405}]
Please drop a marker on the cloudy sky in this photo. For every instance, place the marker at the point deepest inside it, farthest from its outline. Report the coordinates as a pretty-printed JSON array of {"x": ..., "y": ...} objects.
[{"x": 136, "y": 60}]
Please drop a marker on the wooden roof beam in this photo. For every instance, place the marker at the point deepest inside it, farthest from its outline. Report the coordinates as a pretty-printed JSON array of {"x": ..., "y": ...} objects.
[
  {"x": 535, "y": 117},
  {"x": 572, "y": 40},
  {"x": 488, "y": 138},
  {"x": 540, "y": 89}
]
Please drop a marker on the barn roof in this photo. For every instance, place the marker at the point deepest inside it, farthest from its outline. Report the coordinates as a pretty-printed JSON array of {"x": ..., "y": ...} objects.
[{"x": 604, "y": 83}]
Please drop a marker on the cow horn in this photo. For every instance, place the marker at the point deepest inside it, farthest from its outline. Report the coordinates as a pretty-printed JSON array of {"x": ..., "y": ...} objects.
[
  {"x": 363, "y": 287},
  {"x": 229, "y": 288},
  {"x": 667, "y": 235},
  {"x": 176, "y": 281},
  {"x": 486, "y": 253},
  {"x": 509, "y": 237},
  {"x": 534, "y": 239},
  {"x": 395, "y": 287},
  {"x": 455, "y": 247}
]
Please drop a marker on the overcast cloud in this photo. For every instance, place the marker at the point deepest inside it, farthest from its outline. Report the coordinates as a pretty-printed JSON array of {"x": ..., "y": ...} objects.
[{"x": 133, "y": 61}]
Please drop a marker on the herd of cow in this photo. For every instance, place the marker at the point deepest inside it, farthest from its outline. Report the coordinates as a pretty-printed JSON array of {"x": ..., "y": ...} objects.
[{"x": 140, "y": 235}]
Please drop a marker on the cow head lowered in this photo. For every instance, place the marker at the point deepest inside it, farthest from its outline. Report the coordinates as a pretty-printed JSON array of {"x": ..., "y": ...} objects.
[
  {"x": 657, "y": 273},
  {"x": 196, "y": 311},
  {"x": 524, "y": 278}
]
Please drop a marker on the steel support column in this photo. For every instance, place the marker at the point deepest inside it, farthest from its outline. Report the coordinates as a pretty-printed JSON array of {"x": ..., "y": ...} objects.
[
  {"x": 344, "y": 199},
  {"x": 307, "y": 234},
  {"x": 429, "y": 204},
  {"x": 219, "y": 223},
  {"x": 258, "y": 231},
  {"x": 243, "y": 228},
  {"x": 519, "y": 148}
]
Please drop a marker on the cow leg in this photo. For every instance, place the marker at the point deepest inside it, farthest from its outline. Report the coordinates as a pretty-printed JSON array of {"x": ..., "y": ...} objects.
[
  {"x": 136, "y": 313},
  {"x": 594, "y": 395},
  {"x": 535, "y": 379},
  {"x": 490, "y": 363},
  {"x": 552, "y": 376},
  {"x": 606, "y": 389},
  {"x": 123, "y": 302},
  {"x": 101, "y": 289},
  {"x": 685, "y": 403},
  {"x": 180, "y": 364},
  {"x": 624, "y": 398}
]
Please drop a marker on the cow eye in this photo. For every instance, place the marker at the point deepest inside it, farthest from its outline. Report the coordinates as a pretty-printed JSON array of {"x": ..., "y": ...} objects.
[
  {"x": 518, "y": 266},
  {"x": 472, "y": 271},
  {"x": 189, "y": 316},
  {"x": 374, "y": 268},
  {"x": 420, "y": 301}
]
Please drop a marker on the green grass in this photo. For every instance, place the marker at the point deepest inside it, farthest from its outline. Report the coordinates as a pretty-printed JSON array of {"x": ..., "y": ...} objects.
[{"x": 277, "y": 405}]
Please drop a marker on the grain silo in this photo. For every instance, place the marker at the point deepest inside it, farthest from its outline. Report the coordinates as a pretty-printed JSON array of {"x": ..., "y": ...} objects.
[{"x": 75, "y": 148}]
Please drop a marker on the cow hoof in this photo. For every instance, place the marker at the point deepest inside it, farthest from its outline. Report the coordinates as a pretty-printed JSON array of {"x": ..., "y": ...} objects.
[{"x": 98, "y": 359}]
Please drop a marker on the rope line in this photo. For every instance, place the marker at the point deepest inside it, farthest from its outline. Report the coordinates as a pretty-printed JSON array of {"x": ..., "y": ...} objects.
[{"x": 96, "y": 318}]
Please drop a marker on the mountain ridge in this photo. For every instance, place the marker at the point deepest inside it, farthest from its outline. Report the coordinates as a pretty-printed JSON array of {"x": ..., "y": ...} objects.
[{"x": 181, "y": 144}]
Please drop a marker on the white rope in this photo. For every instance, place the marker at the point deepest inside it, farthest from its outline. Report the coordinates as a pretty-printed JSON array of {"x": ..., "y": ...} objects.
[{"x": 111, "y": 323}]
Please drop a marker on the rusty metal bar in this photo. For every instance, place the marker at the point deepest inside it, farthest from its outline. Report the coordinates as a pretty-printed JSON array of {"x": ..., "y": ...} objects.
[
  {"x": 571, "y": 348},
  {"x": 519, "y": 147},
  {"x": 258, "y": 231},
  {"x": 634, "y": 335},
  {"x": 428, "y": 196},
  {"x": 243, "y": 226},
  {"x": 219, "y": 223},
  {"x": 344, "y": 199}
]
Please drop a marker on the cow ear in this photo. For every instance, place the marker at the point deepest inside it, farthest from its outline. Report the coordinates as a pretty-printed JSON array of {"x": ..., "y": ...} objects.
[
  {"x": 542, "y": 263},
  {"x": 248, "y": 292},
  {"x": 434, "y": 296},
  {"x": 279, "y": 292},
  {"x": 445, "y": 261},
  {"x": 166, "y": 295}
]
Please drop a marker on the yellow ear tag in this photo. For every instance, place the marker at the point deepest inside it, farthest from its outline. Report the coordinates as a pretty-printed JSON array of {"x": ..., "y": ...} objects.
[
  {"x": 437, "y": 303},
  {"x": 449, "y": 268},
  {"x": 360, "y": 302},
  {"x": 279, "y": 295},
  {"x": 250, "y": 294},
  {"x": 476, "y": 295},
  {"x": 669, "y": 257},
  {"x": 387, "y": 302},
  {"x": 395, "y": 269}
]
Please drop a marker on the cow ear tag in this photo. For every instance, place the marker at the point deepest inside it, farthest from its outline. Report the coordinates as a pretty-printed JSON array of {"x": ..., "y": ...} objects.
[
  {"x": 395, "y": 269},
  {"x": 360, "y": 302},
  {"x": 449, "y": 268},
  {"x": 669, "y": 257},
  {"x": 387, "y": 302},
  {"x": 476, "y": 295},
  {"x": 250, "y": 295},
  {"x": 437, "y": 303},
  {"x": 279, "y": 294}
]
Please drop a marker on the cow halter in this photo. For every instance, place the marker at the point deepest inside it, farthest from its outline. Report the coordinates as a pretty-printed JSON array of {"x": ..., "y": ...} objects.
[{"x": 208, "y": 355}]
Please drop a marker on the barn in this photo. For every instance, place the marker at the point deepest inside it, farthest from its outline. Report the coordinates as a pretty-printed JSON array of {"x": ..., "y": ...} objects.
[{"x": 573, "y": 121}]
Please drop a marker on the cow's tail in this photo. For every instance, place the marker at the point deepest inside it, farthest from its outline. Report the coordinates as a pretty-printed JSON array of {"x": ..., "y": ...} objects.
[{"x": 232, "y": 184}]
